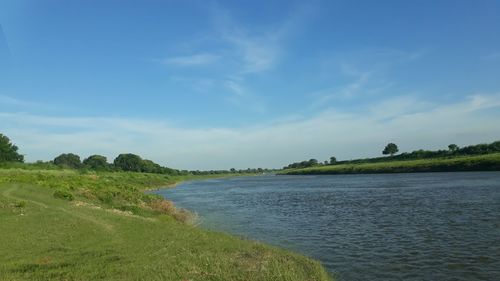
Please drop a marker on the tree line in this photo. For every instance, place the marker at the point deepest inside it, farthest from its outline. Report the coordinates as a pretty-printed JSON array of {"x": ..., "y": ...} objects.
[
  {"x": 391, "y": 149},
  {"x": 124, "y": 162}
]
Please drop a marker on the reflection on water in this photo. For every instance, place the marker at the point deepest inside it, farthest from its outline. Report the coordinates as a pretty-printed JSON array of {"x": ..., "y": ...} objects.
[{"x": 435, "y": 226}]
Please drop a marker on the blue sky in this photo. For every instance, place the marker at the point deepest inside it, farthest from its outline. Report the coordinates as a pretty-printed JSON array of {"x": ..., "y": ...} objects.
[{"x": 221, "y": 84}]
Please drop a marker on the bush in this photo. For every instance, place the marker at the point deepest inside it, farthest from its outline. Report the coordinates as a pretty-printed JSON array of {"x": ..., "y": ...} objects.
[
  {"x": 162, "y": 206},
  {"x": 21, "y": 204},
  {"x": 63, "y": 194}
]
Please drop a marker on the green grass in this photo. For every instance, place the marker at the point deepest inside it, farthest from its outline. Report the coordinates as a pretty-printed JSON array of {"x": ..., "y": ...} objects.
[
  {"x": 93, "y": 237},
  {"x": 487, "y": 162}
]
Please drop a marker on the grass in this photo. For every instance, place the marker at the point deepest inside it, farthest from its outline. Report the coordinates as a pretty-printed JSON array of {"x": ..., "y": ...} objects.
[
  {"x": 486, "y": 162},
  {"x": 110, "y": 230}
]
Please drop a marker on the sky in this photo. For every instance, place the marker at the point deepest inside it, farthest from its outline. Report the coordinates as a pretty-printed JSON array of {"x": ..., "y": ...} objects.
[{"x": 220, "y": 84}]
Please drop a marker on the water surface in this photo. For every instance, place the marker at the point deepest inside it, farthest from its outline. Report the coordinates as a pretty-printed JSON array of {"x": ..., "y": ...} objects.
[{"x": 432, "y": 226}]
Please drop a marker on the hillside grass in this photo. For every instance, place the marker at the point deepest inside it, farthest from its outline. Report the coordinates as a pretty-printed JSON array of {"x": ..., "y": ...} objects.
[
  {"x": 109, "y": 229},
  {"x": 486, "y": 162}
]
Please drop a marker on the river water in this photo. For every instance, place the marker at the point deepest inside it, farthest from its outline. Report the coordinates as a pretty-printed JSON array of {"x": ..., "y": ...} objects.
[{"x": 429, "y": 226}]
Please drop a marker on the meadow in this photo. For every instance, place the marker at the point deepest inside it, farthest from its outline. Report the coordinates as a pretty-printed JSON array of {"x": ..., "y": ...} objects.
[
  {"x": 485, "y": 162},
  {"x": 73, "y": 225}
]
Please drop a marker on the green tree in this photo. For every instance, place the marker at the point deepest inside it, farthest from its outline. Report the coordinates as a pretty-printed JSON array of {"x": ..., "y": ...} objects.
[
  {"x": 148, "y": 166},
  {"x": 96, "y": 162},
  {"x": 312, "y": 162},
  {"x": 68, "y": 160},
  {"x": 391, "y": 149},
  {"x": 453, "y": 147},
  {"x": 128, "y": 162},
  {"x": 8, "y": 151},
  {"x": 333, "y": 160}
]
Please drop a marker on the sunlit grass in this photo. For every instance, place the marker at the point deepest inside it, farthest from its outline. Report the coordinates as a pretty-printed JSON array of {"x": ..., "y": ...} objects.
[
  {"x": 487, "y": 162},
  {"x": 111, "y": 230}
]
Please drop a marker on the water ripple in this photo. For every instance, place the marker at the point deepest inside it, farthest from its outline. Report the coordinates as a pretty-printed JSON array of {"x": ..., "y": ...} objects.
[{"x": 436, "y": 226}]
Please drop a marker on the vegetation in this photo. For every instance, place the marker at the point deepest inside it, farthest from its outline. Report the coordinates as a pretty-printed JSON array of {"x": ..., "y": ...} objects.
[
  {"x": 332, "y": 161},
  {"x": 487, "y": 162},
  {"x": 303, "y": 164},
  {"x": 68, "y": 220},
  {"x": 453, "y": 147},
  {"x": 96, "y": 162},
  {"x": 391, "y": 149},
  {"x": 68, "y": 160},
  {"x": 67, "y": 225},
  {"x": 452, "y": 151},
  {"x": 8, "y": 151}
]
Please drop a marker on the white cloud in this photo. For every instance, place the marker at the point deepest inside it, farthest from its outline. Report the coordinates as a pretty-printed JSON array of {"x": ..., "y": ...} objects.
[
  {"x": 346, "y": 135},
  {"x": 257, "y": 54},
  {"x": 242, "y": 98},
  {"x": 192, "y": 60},
  {"x": 234, "y": 88},
  {"x": 14, "y": 102},
  {"x": 257, "y": 49}
]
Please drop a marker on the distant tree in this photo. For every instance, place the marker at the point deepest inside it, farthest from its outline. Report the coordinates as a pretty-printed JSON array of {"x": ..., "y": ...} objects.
[
  {"x": 148, "y": 166},
  {"x": 128, "y": 162},
  {"x": 8, "y": 151},
  {"x": 312, "y": 162},
  {"x": 326, "y": 162},
  {"x": 233, "y": 170},
  {"x": 391, "y": 149},
  {"x": 68, "y": 160},
  {"x": 333, "y": 160},
  {"x": 453, "y": 147},
  {"x": 96, "y": 162}
]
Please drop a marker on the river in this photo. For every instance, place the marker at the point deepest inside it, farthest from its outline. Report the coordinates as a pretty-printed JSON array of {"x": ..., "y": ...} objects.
[{"x": 428, "y": 226}]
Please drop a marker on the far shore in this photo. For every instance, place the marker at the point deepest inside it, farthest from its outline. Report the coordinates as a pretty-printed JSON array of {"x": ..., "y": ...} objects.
[{"x": 486, "y": 162}]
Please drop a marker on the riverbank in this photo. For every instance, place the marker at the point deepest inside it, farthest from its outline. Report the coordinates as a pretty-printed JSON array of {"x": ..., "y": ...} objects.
[
  {"x": 486, "y": 162},
  {"x": 66, "y": 225}
]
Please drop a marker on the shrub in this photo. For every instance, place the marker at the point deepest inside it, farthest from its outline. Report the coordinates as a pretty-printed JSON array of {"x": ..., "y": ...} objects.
[
  {"x": 21, "y": 204},
  {"x": 63, "y": 194},
  {"x": 162, "y": 206}
]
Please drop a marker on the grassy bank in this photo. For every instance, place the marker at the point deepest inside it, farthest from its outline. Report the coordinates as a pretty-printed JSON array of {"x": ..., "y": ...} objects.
[
  {"x": 487, "y": 162},
  {"x": 64, "y": 225}
]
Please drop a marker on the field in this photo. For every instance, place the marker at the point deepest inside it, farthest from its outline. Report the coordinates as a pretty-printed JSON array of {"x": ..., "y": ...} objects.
[
  {"x": 66, "y": 225},
  {"x": 486, "y": 162}
]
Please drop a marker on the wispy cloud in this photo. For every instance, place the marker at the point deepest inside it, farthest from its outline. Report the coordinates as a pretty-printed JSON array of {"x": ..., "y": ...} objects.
[
  {"x": 5, "y": 53},
  {"x": 259, "y": 49},
  {"x": 325, "y": 96},
  {"x": 192, "y": 60},
  {"x": 257, "y": 54},
  {"x": 408, "y": 121},
  {"x": 234, "y": 88},
  {"x": 21, "y": 104},
  {"x": 358, "y": 75},
  {"x": 242, "y": 97}
]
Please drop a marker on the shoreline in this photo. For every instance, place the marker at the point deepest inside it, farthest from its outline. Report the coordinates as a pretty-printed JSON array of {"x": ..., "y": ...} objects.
[
  {"x": 129, "y": 221},
  {"x": 477, "y": 163}
]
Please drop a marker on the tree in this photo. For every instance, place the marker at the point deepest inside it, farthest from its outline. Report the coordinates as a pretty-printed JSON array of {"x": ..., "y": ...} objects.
[
  {"x": 453, "y": 147},
  {"x": 68, "y": 160},
  {"x": 391, "y": 149},
  {"x": 148, "y": 166},
  {"x": 96, "y": 162},
  {"x": 128, "y": 162},
  {"x": 312, "y": 162},
  {"x": 333, "y": 160},
  {"x": 8, "y": 151}
]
